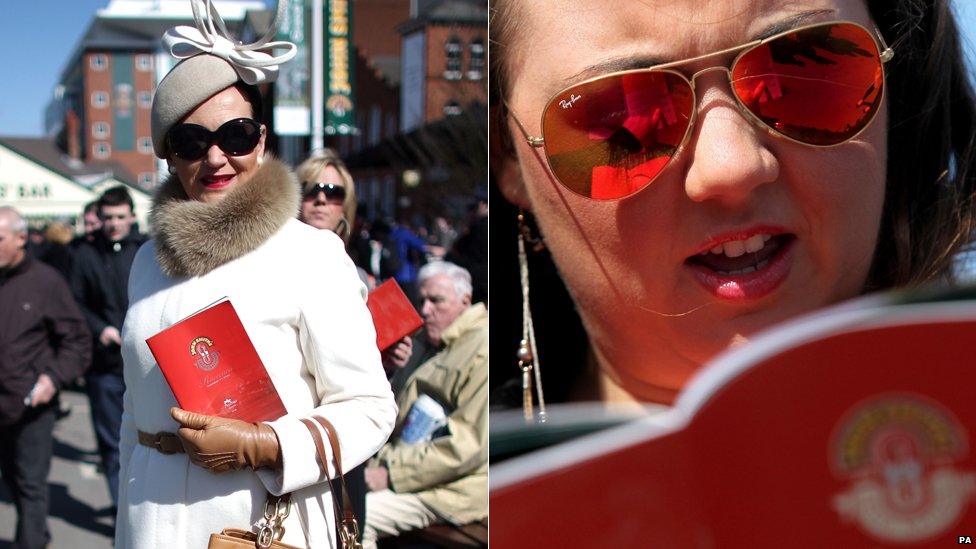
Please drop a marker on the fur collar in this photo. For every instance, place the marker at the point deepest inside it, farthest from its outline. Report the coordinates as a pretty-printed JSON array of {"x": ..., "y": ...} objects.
[{"x": 193, "y": 238}]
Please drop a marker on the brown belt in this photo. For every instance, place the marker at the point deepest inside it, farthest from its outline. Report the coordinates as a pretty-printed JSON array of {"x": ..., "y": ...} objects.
[{"x": 163, "y": 442}]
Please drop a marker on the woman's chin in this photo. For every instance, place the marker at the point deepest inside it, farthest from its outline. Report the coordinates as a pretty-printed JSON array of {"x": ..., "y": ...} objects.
[
  {"x": 321, "y": 223},
  {"x": 210, "y": 195}
]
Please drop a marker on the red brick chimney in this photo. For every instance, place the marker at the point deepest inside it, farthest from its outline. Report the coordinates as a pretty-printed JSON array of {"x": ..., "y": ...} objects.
[{"x": 71, "y": 129}]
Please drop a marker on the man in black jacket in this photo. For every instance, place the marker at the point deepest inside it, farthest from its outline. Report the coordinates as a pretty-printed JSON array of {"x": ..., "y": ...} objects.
[
  {"x": 99, "y": 280},
  {"x": 44, "y": 344}
]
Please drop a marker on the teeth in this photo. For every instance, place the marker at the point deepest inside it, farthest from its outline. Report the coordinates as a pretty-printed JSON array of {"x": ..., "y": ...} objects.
[
  {"x": 736, "y": 248},
  {"x": 755, "y": 243},
  {"x": 738, "y": 272}
]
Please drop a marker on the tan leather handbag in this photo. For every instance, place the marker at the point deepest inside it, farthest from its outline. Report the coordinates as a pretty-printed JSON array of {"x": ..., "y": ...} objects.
[{"x": 276, "y": 509}]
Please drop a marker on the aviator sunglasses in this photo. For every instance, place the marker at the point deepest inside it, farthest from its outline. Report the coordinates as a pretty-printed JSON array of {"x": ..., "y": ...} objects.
[
  {"x": 235, "y": 137},
  {"x": 610, "y": 136},
  {"x": 332, "y": 192}
]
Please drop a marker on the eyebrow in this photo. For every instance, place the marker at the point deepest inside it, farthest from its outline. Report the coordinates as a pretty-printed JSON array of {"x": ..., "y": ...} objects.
[{"x": 641, "y": 62}]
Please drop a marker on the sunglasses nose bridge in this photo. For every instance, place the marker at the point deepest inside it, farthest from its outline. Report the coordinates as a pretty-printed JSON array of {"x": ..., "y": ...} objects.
[
  {"x": 693, "y": 80},
  {"x": 719, "y": 68},
  {"x": 213, "y": 154}
]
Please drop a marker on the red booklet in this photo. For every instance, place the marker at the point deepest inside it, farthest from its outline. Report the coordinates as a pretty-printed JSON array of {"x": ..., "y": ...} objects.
[
  {"x": 212, "y": 366},
  {"x": 393, "y": 315},
  {"x": 850, "y": 428}
]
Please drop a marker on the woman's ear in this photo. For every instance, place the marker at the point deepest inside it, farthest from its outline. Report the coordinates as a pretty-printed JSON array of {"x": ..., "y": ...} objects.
[
  {"x": 260, "y": 146},
  {"x": 504, "y": 162},
  {"x": 509, "y": 178}
]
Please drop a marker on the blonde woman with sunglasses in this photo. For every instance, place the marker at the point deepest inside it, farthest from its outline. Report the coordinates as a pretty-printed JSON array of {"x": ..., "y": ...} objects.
[
  {"x": 700, "y": 171},
  {"x": 328, "y": 193}
]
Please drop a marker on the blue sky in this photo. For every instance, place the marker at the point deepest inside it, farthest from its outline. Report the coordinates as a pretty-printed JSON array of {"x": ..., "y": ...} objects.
[{"x": 38, "y": 36}]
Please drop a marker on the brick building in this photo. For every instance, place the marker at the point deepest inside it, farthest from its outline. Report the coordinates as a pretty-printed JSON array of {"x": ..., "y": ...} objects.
[
  {"x": 444, "y": 55},
  {"x": 101, "y": 106},
  {"x": 440, "y": 154}
]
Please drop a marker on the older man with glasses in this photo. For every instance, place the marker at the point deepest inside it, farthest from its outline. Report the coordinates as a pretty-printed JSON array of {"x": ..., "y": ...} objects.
[{"x": 435, "y": 467}]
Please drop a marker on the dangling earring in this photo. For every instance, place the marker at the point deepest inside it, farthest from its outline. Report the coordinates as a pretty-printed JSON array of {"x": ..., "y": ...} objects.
[
  {"x": 528, "y": 355},
  {"x": 342, "y": 227},
  {"x": 171, "y": 169}
]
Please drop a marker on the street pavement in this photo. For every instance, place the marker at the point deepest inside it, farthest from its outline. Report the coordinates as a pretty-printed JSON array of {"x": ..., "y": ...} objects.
[{"x": 80, "y": 504}]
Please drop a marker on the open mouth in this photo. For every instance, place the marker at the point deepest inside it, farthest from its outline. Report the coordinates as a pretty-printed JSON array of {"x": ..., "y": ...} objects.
[{"x": 744, "y": 269}]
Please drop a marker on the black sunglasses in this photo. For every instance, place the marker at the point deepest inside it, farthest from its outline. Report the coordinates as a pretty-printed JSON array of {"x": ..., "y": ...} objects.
[
  {"x": 332, "y": 192},
  {"x": 235, "y": 137}
]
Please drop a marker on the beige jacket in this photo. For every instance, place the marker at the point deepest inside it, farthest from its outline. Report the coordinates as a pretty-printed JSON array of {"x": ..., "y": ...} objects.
[{"x": 449, "y": 473}]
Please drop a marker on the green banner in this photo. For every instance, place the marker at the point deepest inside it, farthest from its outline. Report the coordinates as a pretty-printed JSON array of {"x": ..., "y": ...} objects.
[
  {"x": 123, "y": 103},
  {"x": 291, "y": 110},
  {"x": 339, "y": 69}
]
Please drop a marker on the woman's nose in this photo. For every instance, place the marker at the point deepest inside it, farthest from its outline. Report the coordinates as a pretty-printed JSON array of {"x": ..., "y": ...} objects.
[
  {"x": 729, "y": 156},
  {"x": 215, "y": 156}
]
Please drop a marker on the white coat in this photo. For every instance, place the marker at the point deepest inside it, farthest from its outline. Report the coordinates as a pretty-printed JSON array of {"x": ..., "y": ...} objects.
[{"x": 303, "y": 306}]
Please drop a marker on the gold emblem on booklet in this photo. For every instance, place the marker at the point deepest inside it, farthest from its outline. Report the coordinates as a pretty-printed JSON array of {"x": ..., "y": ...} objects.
[{"x": 202, "y": 347}]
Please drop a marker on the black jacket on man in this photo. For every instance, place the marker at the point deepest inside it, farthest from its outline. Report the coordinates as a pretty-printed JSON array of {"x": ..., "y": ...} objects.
[
  {"x": 100, "y": 282},
  {"x": 41, "y": 332}
]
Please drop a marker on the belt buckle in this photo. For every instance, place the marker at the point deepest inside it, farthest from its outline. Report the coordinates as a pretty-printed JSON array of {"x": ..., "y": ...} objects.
[{"x": 158, "y": 444}]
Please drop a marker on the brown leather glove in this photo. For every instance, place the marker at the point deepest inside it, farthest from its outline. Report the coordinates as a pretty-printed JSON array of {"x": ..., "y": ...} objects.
[{"x": 221, "y": 444}]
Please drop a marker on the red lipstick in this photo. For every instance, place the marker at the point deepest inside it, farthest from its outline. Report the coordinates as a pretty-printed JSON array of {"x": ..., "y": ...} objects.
[
  {"x": 217, "y": 181},
  {"x": 743, "y": 265}
]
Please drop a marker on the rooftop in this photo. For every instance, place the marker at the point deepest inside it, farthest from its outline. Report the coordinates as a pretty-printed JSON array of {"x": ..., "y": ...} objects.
[
  {"x": 44, "y": 152},
  {"x": 139, "y": 24},
  {"x": 447, "y": 12}
]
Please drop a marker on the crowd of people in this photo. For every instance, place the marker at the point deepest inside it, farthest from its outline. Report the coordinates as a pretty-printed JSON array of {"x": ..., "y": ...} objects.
[{"x": 79, "y": 288}]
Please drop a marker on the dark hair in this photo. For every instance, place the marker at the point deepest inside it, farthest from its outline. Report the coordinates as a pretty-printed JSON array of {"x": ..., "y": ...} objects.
[
  {"x": 928, "y": 215},
  {"x": 253, "y": 96},
  {"x": 116, "y": 196},
  {"x": 91, "y": 207}
]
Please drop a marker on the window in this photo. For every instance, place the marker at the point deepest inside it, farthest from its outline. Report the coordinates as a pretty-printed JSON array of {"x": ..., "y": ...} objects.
[
  {"x": 145, "y": 99},
  {"x": 101, "y": 150},
  {"x": 147, "y": 179},
  {"x": 143, "y": 63},
  {"x": 451, "y": 108},
  {"x": 145, "y": 145},
  {"x": 98, "y": 61},
  {"x": 99, "y": 99},
  {"x": 476, "y": 63},
  {"x": 101, "y": 130},
  {"x": 375, "y": 125},
  {"x": 452, "y": 53}
]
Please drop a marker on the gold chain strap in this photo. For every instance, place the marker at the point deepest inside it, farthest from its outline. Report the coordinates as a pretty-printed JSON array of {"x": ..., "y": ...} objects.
[{"x": 276, "y": 510}]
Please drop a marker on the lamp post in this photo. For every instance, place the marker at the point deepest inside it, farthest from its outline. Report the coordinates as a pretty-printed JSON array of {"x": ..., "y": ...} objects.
[{"x": 318, "y": 110}]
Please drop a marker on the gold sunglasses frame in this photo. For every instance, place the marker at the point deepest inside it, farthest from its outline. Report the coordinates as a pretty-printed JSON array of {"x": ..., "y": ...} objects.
[{"x": 885, "y": 54}]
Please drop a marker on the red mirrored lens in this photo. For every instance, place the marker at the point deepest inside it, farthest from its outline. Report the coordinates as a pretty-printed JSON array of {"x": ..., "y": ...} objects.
[
  {"x": 610, "y": 137},
  {"x": 820, "y": 86}
]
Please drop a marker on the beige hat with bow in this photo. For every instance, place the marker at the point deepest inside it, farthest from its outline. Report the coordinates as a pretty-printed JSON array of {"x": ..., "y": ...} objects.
[{"x": 211, "y": 62}]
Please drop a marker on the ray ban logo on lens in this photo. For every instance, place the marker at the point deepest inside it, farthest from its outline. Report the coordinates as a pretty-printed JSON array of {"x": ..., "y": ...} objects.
[{"x": 573, "y": 98}]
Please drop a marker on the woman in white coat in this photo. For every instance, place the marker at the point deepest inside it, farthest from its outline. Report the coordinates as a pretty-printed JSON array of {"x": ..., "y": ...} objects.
[{"x": 224, "y": 226}]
